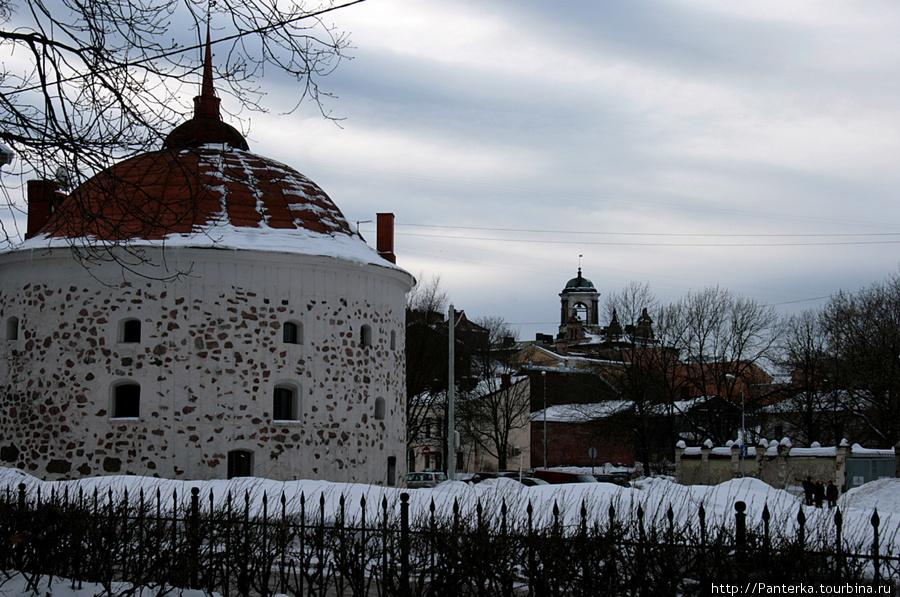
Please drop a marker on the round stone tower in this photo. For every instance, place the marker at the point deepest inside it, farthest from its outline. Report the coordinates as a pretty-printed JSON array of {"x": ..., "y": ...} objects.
[{"x": 239, "y": 327}]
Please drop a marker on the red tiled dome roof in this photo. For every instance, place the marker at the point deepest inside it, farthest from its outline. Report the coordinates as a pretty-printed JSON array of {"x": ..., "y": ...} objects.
[{"x": 191, "y": 190}]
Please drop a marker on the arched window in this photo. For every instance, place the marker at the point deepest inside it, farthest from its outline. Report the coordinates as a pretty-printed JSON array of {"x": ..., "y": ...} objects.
[
  {"x": 379, "y": 408},
  {"x": 581, "y": 311},
  {"x": 284, "y": 403},
  {"x": 292, "y": 333},
  {"x": 393, "y": 340},
  {"x": 240, "y": 463},
  {"x": 126, "y": 401},
  {"x": 12, "y": 328},
  {"x": 365, "y": 336},
  {"x": 130, "y": 331}
]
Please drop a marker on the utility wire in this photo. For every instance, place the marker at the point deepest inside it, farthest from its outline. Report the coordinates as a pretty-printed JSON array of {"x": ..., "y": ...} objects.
[
  {"x": 199, "y": 46},
  {"x": 651, "y": 244},
  {"x": 669, "y": 234}
]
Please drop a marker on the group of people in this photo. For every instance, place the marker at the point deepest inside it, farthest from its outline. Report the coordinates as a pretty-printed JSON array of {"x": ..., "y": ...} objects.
[{"x": 815, "y": 493}]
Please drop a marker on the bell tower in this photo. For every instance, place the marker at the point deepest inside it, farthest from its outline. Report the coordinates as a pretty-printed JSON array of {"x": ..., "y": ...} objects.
[{"x": 579, "y": 302}]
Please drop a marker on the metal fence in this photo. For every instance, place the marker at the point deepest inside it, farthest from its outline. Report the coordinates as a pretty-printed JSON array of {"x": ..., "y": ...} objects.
[{"x": 229, "y": 547}]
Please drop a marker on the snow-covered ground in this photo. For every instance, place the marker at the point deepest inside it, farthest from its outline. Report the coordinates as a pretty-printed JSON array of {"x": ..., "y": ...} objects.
[{"x": 654, "y": 495}]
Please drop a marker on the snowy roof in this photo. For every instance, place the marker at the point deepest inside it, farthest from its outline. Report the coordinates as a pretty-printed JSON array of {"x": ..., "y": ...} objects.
[
  {"x": 582, "y": 413},
  {"x": 857, "y": 451},
  {"x": 565, "y": 359},
  {"x": 494, "y": 384}
]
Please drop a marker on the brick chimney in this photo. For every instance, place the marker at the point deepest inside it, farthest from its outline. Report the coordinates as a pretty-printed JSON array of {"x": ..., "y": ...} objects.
[
  {"x": 43, "y": 197},
  {"x": 385, "y": 241}
]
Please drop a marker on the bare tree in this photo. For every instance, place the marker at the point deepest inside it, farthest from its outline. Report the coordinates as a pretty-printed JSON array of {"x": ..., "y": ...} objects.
[
  {"x": 809, "y": 408},
  {"x": 863, "y": 335},
  {"x": 631, "y": 303},
  {"x": 724, "y": 341},
  {"x": 426, "y": 358},
  {"x": 428, "y": 297},
  {"x": 494, "y": 409},
  {"x": 86, "y": 84},
  {"x": 640, "y": 378}
]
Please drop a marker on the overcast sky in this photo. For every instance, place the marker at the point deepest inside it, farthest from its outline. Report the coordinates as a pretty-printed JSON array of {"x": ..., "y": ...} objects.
[
  {"x": 686, "y": 144},
  {"x": 750, "y": 145}
]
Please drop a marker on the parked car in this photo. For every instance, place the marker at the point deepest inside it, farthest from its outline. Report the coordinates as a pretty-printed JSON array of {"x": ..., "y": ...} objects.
[
  {"x": 424, "y": 479},
  {"x": 616, "y": 478},
  {"x": 556, "y": 477},
  {"x": 525, "y": 478},
  {"x": 530, "y": 481},
  {"x": 479, "y": 477}
]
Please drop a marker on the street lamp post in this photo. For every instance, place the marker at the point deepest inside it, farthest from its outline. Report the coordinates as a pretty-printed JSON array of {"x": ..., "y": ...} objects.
[
  {"x": 743, "y": 422},
  {"x": 519, "y": 450},
  {"x": 544, "y": 377}
]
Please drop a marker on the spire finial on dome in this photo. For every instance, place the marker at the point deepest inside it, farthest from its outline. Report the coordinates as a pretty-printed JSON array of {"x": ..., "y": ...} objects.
[
  {"x": 206, "y": 105},
  {"x": 207, "y": 125}
]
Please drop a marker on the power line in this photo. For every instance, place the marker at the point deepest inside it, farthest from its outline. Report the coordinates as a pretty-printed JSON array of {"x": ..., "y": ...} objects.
[
  {"x": 651, "y": 244},
  {"x": 182, "y": 50},
  {"x": 662, "y": 234},
  {"x": 815, "y": 298}
]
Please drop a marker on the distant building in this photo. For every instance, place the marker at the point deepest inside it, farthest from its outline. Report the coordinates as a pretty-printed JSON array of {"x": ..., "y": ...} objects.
[
  {"x": 239, "y": 327},
  {"x": 474, "y": 453},
  {"x": 617, "y": 389},
  {"x": 580, "y": 330}
]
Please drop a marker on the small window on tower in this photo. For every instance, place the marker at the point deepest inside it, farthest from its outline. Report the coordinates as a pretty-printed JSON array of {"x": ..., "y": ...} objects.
[
  {"x": 393, "y": 340},
  {"x": 379, "y": 409},
  {"x": 240, "y": 463},
  {"x": 130, "y": 331},
  {"x": 126, "y": 401},
  {"x": 365, "y": 336},
  {"x": 12, "y": 328},
  {"x": 292, "y": 333},
  {"x": 284, "y": 404},
  {"x": 392, "y": 471}
]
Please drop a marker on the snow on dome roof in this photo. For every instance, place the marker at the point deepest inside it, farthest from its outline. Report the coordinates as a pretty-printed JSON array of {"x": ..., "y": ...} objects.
[
  {"x": 210, "y": 196},
  {"x": 190, "y": 190}
]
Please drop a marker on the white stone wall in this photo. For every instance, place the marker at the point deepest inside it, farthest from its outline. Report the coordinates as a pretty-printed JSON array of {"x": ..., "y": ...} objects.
[{"x": 208, "y": 361}]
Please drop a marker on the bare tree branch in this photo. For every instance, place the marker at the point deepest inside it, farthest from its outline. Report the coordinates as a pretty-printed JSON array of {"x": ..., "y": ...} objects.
[{"x": 85, "y": 85}]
